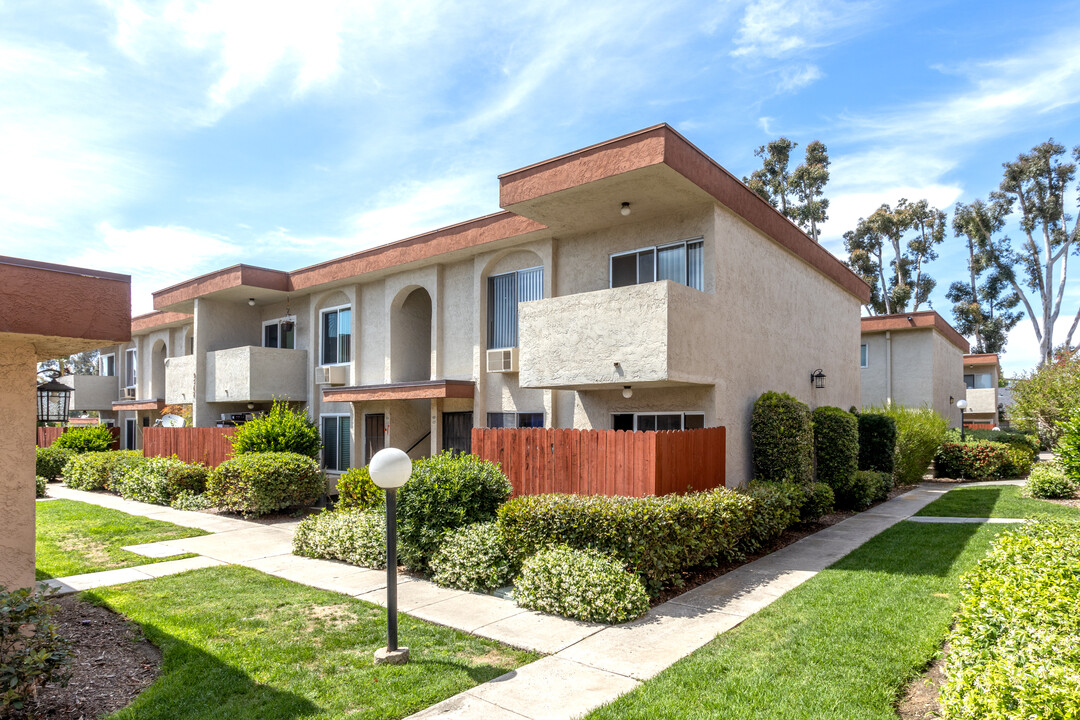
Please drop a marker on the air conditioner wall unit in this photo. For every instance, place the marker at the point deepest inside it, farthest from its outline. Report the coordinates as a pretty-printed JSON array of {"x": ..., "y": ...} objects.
[
  {"x": 332, "y": 375},
  {"x": 129, "y": 393},
  {"x": 502, "y": 361}
]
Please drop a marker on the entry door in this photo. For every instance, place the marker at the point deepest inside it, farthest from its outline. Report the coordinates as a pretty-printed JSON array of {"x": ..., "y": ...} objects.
[
  {"x": 374, "y": 435},
  {"x": 457, "y": 431},
  {"x": 130, "y": 428}
]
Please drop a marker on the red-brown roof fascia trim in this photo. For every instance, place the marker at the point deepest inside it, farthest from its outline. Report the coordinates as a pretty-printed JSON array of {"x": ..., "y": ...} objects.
[
  {"x": 230, "y": 277},
  {"x": 66, "y": 269},
  {"x": 418, "y": 390},
  {"x": 921, "y": 319},
  {"x": 151, "y": 320},
  {"x": 981, "y": 359},
  {"x": 138, "y": 405}
]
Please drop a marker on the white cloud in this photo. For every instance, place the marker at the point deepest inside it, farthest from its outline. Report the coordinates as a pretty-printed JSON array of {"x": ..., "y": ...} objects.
[
  {"x": 797, "y": 77},
  {"x": 780, "y": 28}
]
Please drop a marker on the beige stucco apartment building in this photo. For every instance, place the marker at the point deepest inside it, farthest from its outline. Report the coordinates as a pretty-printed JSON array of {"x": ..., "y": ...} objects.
[
  {"x": 913, "y": 359},
  {"x": 634, "y": 284},
  {"x": 981, "y": 373}
]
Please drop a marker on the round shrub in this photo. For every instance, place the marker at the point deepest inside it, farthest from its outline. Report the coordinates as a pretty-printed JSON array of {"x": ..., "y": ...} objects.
[
  {"x": 977, "y": 460},
  {"x": 186, "y": 477},
  {"x": 51, "y": 461},
  {"x": 1048, "y": 481},
  {"x": 260, "y": 483},
  {"x": 473, "y": 558},
  {"x": 146, "y": 482},
  {"x": 836, "y": 445},
  {"x": 93, "y": 438},
  {"x": 877, "y": 442},
  {"x": 283, "y": 429},
  {"x": 782, "y": 439},
  {"x": 356, "y": 490},
  {"x": 581, "y": 584},
  {"x": 97, "y": 471},
  {"x": 353, "y": 536},
  {"x": 446, "y": 492},
  {"x": 187, "y": 500},
  {"x": 820, "y": 500},
  {"x": 39, "y": 485}
]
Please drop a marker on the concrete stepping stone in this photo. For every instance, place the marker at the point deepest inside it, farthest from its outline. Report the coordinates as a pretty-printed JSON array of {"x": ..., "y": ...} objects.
[{"x": 531, "y": 630}]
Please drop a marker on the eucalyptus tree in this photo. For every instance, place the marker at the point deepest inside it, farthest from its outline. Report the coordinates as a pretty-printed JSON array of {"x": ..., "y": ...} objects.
[{"x": 798, "y": 194}]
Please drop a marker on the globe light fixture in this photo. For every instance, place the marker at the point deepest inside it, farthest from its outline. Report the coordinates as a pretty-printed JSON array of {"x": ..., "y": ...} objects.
[
  {"x": 962, "y": 404},
  {"x": 390, "y": 468},
  {"x": 625, "y": 210},
  {"x": 627, "y": 392}
]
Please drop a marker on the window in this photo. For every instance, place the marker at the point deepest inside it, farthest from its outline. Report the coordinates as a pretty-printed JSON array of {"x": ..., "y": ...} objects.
[
  {"x": 107, "y": 365},
  {"x": 130, "y": 375},
  {"x": 504, "y": 293},
  {"x": 337, "y": 442},
  {"x": 682, "y": 262},
  {"x": 978, "y": 380},
  {"x": 130, "y": 439},
  {"x": 864, "y": 356},
  {"x": 336, "y": 336},
  {"x": 280, "y": 333},
  {"x": 657, "y": 421},
  {"x": 515, "y": 420}
]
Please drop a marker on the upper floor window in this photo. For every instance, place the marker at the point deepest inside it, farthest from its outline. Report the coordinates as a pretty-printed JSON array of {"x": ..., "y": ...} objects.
[
  {"x": 504, "y": 293},
  {"x": 864, "y": 356},
  {"x": 978, "y": 380},
  {"x": 130, "y": 375},
  {"x": 336, "y": 335},
  {"x": 107, "y": 365},
  {"x": 280, "y": 333},
  {"x": 681, "y": 262}
]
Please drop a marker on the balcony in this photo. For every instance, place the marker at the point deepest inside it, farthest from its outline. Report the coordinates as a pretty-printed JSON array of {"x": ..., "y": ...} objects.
[
  {"x": 655, "y": 334},
  {"x": 180, "y": 380},
  {"x": 982, "y": 400},
  {"x": 92, "y": 392},
  {"x": 256, "y": 374}
]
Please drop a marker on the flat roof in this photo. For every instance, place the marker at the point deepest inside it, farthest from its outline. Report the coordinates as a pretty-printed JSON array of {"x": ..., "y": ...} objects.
[
  {"x": 414, "y": 390},
  {"x": 981, "y": 359},
  {"x": 924, "y": 319}
]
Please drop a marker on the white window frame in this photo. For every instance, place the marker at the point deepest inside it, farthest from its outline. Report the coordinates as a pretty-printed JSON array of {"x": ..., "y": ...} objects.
[
  {"x": 278, "y": 321},
  {"x": 131, "y": 364},
  {"x": 352, "y": 426},
  {"x": 656, "y": 250},
  {"x": 864, "y": 355},
  {"x": 322, "y": 340},
  {"x": 681, "y": 413},
  {"x": 101, "y": 364}
]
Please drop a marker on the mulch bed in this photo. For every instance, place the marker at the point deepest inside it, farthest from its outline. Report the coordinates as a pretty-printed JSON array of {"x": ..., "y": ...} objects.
[
  {"x": 921, "y": 698},
  {"x": 112, "y": 664}
]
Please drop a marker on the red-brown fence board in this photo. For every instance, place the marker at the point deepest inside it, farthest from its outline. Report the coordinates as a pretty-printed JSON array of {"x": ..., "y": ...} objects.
[
  {"x": 46, "y": 436},
  {"x": 208, "y": 445},
  {"x": 605, "y": 462},
  {"x": 979, "y": 426}
]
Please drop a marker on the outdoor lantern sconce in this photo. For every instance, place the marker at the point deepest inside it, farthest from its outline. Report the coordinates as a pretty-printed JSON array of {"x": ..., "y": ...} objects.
[
  {"x": 962, "y": 404},
  {"x": 817, "y": 379},
  {"x": 390, "y": 468},
  {"x": 53, "y": 398},
  {"x": 625, "y": 210}
]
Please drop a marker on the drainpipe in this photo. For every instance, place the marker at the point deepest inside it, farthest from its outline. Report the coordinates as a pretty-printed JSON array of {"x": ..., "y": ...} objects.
[{"x": 888, "y": 367}]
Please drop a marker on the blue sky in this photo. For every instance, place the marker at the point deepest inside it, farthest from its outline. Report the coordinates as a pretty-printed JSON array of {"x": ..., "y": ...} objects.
[{"x": 171, "y": 138}]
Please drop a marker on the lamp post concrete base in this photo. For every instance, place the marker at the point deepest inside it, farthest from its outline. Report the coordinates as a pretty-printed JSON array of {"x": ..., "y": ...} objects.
[{"x": 386, "y": 656}]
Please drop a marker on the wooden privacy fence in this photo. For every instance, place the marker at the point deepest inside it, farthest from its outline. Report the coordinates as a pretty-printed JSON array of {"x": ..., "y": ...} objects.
[
  {"x": 605, "y": 462},
  {"x": 208, "y": 445},
  {"x": 46, "y": 436}
]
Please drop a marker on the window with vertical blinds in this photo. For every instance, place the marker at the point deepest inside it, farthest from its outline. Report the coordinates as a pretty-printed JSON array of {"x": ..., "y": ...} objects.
[
  {"x": 682, "y": 262},
  {"x": 336, "y": 336},
  {"x": 505, "y": 291},
  {"x": 336, "y": 442}
]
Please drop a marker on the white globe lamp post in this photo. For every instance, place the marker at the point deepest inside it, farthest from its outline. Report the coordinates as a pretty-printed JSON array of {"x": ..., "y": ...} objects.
[
  {"x": 390, "y": 468},
  {"x": 962, "y": 404}
]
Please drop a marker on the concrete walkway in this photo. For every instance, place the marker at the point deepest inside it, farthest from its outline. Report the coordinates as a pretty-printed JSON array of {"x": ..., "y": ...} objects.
[{"x": 587, "y": 665}]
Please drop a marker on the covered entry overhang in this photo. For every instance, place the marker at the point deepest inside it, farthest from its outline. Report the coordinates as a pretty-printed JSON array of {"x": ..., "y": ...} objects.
[{"x": 412, "y": 390}]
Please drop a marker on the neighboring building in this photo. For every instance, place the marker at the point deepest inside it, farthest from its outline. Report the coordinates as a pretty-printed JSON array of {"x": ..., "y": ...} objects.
[
  {"x": 45, "y": 314},
  {"x": 981, "y": 373},
  {"x": 913, "y": 359},
  {"x": 634, "y": 284}
]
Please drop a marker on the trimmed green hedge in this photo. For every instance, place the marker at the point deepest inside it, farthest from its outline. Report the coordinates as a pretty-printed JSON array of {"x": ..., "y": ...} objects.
[
  {"x": 836, "y": 446},
  {"x": 978, "y": 460},
  {"x": 40, "y": 484},
  {"x": 877, "y": 442},
  {"x": 777, "y": 506},
  {"x": 147, "y": 482},
  {"x": 473, "y": 558},
  {"x": 581, "y": 584},
  {"x": 353, "y": 536},
  {"x": 356, "y": 490},
  {"x": 1014, "y": 650},
  {"x": 1005, "y": 436},
  {"x": 1048, "y": 481},
  {"x": 98, "y": 470},
  {"x": 261, "y": 483},
  {"x": 51, "y": 461},
  {"x": 658, "y": 538},
  {"x": 782, "y": 439}
]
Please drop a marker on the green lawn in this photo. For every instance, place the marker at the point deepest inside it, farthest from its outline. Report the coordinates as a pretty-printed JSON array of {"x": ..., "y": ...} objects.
[
  {"x": 75, "y": 537},
  {"x": 240, "y": 645},
  {"x": 996, "y": 501}
]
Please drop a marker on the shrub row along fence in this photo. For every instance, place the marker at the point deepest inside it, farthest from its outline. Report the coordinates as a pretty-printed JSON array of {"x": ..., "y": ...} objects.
[
  {"x": 208, "y": 445},
  {"x": 605, "y": 462},
  {"x": 46, "y": 436}
]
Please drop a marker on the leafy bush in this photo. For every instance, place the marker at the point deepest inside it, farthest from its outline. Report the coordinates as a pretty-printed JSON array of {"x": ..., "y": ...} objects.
[
  {"x": 919, "y": 434},
  {"x": 32, "y": 652},
  {"x": 836, "y": 445},
  {"x": 820, "y": 500},
  {"x": 97, "y": 471},
  {"x": 187, "y": 477},
  {"x": 39, "y": 486},
  {"x": 1004, "y": 436},
  {"x": 581, "y": 584},
  {"x": 1046, "y": 398},
  {"x": 1014, "y": 650},
  {"x": 93, "y": 438},
  {"x": 866, "y": 487},
  {"x": 51, "y": 461},
  {"x": 777, "y": 506},
  {"x": 658, "y": 538},
  {"x": 782, "y": 439},
  {"x": 356, "y": 490},
  {"x": 187, "y": 500},
  {"x": 260, "y": 483},
  {"x": 1048, "y": 481},
  {"x": 1018, "y": 460},
  {"x": 1068, "y": 446},
  {"x": 473, "y": 558},
  {"x": 353, "y": 536},
  {"x": 147, "y": 482},
  {"x": 446, "y": 492},
  {"x": 283, "y": 429},
  {"x": 877, "y": 442},
  {"x": 977, "y": 460}
]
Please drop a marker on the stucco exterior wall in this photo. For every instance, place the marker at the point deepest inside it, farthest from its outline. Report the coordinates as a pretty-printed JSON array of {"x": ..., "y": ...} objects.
[
  {"x": 180, "y": 380},
  {"x": 948, "y": 379},
  {"x": 91, "y": 392},
  {"x": 925, "y": 368},
  {"x": 18, "y": 411},
  {"x": 256, "y": 374}
]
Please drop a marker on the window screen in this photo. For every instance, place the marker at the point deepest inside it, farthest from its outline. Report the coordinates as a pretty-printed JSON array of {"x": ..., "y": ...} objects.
[{"x": 504, "y": 293}]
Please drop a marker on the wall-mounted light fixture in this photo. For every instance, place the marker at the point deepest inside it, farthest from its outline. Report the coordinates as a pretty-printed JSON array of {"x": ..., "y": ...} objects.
[
  {"x": 951, "y": 400},
  {"x": 251, "y": 301},
  {"x": 53, "y": 398},
  {"x": 817, "y": 378},
  {"x": 625, "y": 209},
  {"x": 627, "y": 392},
  {"x": 251, "y": 406}
]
